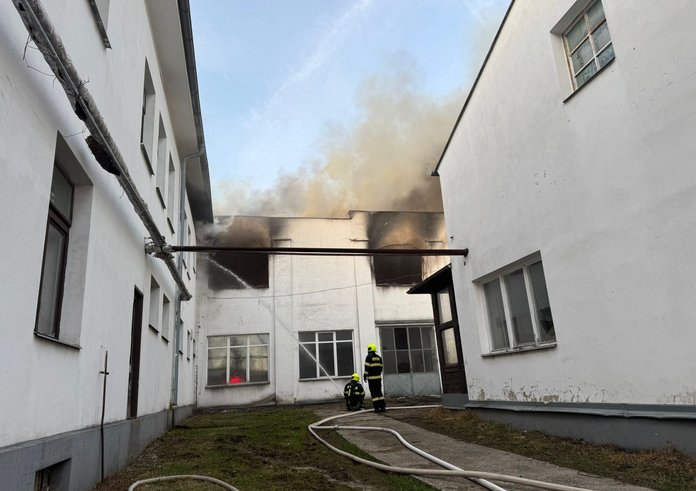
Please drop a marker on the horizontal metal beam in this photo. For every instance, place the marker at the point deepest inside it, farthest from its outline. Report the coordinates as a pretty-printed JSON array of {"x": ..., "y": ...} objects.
[{"x": 313, "y": 251}]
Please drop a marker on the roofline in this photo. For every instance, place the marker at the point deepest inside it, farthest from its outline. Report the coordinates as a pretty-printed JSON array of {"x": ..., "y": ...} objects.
[
  {"x": 190, "y": 55},
  {"x": 422, "y": 286},
  {"x": 471, "y": 92}
]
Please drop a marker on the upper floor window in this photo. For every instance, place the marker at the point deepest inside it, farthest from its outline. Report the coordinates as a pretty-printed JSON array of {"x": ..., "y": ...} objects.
[
  {"x": 147, "y": 122},
  {"x": 588, "y": 44},
  {"x": 518, "y": 308},
  {"x": 100, "y": 10}
]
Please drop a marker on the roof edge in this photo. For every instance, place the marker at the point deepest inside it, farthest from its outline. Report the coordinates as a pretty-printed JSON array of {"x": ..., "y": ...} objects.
[{"x": 473, "y": 87}]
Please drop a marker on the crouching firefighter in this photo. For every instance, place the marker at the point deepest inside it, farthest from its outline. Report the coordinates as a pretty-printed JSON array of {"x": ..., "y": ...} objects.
[
  {"x": 354, "y": 394},
  {"x": 373, "y": 375}
]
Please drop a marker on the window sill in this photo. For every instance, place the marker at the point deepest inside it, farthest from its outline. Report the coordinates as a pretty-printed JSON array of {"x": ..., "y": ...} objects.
[
  {"x": 57, "y": 341},
  {"x": 231, "y": 386},
  {"x": 153, "y": 328},
  {"x": 519, "y": 349},
  {"x": 325, "y": 379},
  {"x": 171, "y": 227},
  {"x": 589, "y": 81},
  {"x": 166, "y": 340},
  {"x": 160, "y": 195}
]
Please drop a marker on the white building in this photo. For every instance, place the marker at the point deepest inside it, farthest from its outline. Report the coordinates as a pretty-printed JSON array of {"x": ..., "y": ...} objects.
[
  {"x": 286, "y": 329},
  {"x": 77, "y": 280},
  {"x": 570, "y": 177}
]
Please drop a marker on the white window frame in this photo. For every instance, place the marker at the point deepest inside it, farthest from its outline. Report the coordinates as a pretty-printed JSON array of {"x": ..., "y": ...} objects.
[
  {"x": 499, "y": 275},
  {"x": 248, "y": 347},
  {"x": 316, "y": 343}
]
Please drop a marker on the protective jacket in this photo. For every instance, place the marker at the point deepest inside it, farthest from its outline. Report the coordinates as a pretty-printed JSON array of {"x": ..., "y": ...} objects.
[
  {"x": 373, "y": 366},
  {"x": 354, "y": 394}
]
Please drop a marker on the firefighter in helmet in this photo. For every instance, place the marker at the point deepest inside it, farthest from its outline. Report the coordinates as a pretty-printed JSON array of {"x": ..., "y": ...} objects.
[
  {"x": 354, "y": 394},
  {"x": 373, "y": 375}
]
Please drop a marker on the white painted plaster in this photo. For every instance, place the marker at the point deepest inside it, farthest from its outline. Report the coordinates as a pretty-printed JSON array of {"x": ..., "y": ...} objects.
[
  {"x": 603, "y": 185},
  {"x": 49, "y": 388}
]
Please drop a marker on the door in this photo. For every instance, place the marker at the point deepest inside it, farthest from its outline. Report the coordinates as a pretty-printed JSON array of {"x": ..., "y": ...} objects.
[
  {"x": 449, "y": 344},
  {"x": 134, "y": 363}
]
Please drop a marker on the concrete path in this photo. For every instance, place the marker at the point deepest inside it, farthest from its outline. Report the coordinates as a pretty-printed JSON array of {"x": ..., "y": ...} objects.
[{"x": 467, "y": 456}]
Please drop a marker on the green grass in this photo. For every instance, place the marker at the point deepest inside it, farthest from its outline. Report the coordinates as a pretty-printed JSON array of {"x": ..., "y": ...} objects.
[{"x": 260, "y": 449}]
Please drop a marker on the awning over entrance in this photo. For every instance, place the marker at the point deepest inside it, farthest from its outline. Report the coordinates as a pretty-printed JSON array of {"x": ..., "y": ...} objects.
[{"x": 435, "y": 282}]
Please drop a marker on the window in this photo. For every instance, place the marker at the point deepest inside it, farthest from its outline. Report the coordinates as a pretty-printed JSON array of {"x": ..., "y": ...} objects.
[
  {"x": 147, "y": 122},
  {"x": 55, "y": 255},
  {"x": 444, "y": 306},
  {"x": 518, "y": 309},
  {"x": 154, "y": 319},
  {"x": 54, "y": 477},
  {"x": 188, "y": 345},
  {"x": 397, "y": 270},
  {"x": 166, "y": 317},
  {"x": 407, "y": 349},
  {"x": 161, "y": 174},
  {"x": 237, "y": 360},
  {"x": 62, "y": 280},
  {"x": 326, "y": 354},
  {"x": 588, "y": 45},
  {"x": 171, "y": 194},
  {"x": 100, "y": 10}
]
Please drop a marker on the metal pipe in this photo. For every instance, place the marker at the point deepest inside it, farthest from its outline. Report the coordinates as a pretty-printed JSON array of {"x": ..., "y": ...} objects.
[
  {"x": 311, "y": 251},
  {"x": 41, "y": 30}
]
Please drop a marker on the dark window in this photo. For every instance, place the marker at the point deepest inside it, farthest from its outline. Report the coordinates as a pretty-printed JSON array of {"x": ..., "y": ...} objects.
[
  {"x": 326, "y": 354},
  {"x": 397, "y": 270},
  {"x": 407, "y": 349},
  {"x": 55, "y": 256}
]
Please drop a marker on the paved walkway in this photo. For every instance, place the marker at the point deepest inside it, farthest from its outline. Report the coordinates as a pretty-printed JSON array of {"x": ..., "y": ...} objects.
[{"x": 467, "y": 456}]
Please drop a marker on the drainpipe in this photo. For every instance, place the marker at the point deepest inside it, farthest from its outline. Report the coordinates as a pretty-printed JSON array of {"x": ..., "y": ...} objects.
[
  {"x": 101, "y": 144},
  {"x": 179, "y": 270}
]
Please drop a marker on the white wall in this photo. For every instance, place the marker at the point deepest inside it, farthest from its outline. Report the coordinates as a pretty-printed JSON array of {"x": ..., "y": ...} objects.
[
  {"x": 306, "y": 293},
  {"x": 603, "y": 185},
  {"x": 47, "y": 387}
]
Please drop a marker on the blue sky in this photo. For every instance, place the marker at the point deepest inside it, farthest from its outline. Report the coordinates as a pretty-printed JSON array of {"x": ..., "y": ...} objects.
[{"x": 275, "y": 74}]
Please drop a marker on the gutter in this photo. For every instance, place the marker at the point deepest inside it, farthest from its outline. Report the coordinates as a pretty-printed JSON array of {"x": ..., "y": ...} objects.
[{"x": 101, "y": 144}]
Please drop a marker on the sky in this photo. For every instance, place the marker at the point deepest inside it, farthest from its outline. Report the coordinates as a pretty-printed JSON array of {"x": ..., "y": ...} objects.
[{"x": 285, "y": 82}]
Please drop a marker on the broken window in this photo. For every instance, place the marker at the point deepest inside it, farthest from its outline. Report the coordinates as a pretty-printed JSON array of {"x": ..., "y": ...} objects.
[
  {"x": 326, "y": 354},
  {"x": 397, "y": 270},
  {"x": 237, "y": 360}
]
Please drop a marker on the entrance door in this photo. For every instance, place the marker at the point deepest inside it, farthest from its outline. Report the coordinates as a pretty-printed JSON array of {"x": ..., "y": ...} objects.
[
  {"x": 134, "y": 364},
  {"x": 449, "y": 344}
]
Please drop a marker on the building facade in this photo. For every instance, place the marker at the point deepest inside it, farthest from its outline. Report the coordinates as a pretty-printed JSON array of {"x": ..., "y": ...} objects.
[
  {"x": 284, "y": 329},
  {"x": 569, "y": 176},
  {"x": 78, "y": 282}
]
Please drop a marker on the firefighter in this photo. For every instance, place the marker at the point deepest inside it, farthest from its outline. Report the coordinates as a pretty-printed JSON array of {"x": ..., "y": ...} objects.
[
  {"x": 354, "y": 394},
  {"x": 373, "y": 375}
]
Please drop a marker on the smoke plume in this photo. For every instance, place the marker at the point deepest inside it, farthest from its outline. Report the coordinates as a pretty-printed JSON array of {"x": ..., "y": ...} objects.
[{"x": 383, "y": 163}]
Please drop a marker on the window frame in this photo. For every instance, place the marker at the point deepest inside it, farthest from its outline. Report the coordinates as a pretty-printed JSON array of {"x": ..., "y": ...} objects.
[
  {"x": 62, "y": 224},
  {"x": 583, "y": 16},
  {"x": 512, "y": 344},
  {"x": 411, "y": 350},
  {"x": 316, "y": 343},
  {"x": 227, "y": 348}
]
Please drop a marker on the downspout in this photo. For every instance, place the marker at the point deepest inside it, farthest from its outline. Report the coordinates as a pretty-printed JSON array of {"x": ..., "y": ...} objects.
[
  {"x": 101, "y": 144},
  {"x": 179, "y": 269}
]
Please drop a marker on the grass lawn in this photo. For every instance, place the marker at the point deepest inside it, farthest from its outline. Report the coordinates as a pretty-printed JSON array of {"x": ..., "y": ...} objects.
[
  {"x": 666, "y": 470},
  {"x": 259, "y": 449}
]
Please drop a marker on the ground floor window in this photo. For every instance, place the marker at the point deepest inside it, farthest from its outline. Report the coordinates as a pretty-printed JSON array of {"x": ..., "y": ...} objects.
[
  {"x": 408, "y": 349},
  {"x": 238, "y": 359},
  {"x": 326, "y": 354},
  {"x": 518, "y": 308}
]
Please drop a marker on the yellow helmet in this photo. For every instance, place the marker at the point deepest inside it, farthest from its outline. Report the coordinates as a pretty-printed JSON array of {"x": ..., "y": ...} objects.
[
  {"x": 356, "y": 377},
  {"x": 371, "y": 347}
]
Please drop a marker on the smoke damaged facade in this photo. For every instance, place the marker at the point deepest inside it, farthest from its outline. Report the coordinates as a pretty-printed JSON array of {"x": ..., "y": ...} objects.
[{"x": 290, "y": 329}]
